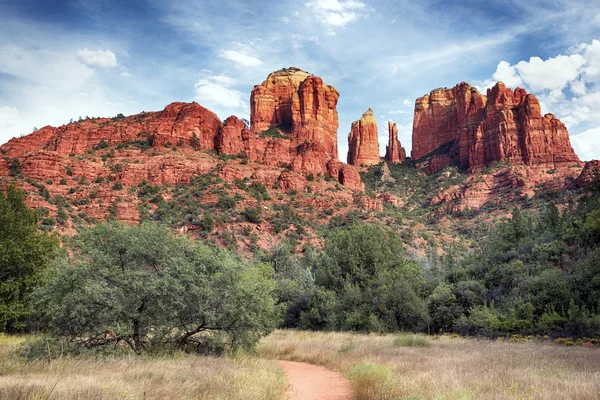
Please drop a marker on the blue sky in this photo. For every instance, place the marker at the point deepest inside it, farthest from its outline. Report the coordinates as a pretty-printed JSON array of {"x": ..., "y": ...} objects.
[{"x": 65, "y": 59}]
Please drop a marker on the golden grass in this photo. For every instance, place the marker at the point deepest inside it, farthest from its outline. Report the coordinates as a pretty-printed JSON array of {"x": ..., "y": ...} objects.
[
  {"x": 447, "y": 368},
  {"x": 177, "y": 377}
]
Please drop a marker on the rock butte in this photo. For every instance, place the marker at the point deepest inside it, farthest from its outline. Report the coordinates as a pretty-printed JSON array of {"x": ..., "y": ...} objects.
[
  {"x": 297, "y": 105},
  {"x": 363, "y": 143},
  {"x": 460, "y": 126},
  {"x": 293, "y": 136}
]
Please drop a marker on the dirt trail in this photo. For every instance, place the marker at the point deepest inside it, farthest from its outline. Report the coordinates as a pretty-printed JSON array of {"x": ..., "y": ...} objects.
[{"x": 312, "y": 382}]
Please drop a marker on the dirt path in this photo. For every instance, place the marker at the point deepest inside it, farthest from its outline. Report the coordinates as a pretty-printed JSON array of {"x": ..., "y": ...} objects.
[{"x": 312, "y": 382}]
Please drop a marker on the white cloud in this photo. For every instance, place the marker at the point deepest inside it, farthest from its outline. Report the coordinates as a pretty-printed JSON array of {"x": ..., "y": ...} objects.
[
  {"x": 240, "y": 58},
  {"x": 9, "y": 119},
  {"x": 553, "y": 73},
  {"x": 507, "y": 74},
  {"x": 592, "y": 55},
  {"x": 217, "y": 93},
  {"x": 97, "y": 58},
  {"x": 567, "y": 86},
  {"x": 587, "y": 144},
  {"x": 337, "y": 13}
]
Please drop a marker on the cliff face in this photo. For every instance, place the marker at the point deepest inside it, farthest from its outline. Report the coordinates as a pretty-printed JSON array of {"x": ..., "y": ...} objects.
[
  {"x": 363, "y": 143},
  {"x": 299, "y": 104},
  {"x": 460, "y": 126},
  {"x": 394, "y": 152},
  {"x": 297, "y": 110},
  {"x": 179, "y": 123}
]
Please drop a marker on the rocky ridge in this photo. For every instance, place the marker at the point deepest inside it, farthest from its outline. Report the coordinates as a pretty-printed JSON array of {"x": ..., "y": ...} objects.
[{"x": 460, "y": 126}]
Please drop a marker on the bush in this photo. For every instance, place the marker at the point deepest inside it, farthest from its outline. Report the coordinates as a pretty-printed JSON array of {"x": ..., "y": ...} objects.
[
  {"x": 143, "y": 288},
  {"x": 411, "y": 340},
  {"x": 253, "y": 214}
]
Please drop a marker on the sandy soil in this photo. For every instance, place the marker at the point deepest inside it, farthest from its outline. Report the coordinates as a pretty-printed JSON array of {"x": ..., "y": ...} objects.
[{"x": 312, "y": 382}]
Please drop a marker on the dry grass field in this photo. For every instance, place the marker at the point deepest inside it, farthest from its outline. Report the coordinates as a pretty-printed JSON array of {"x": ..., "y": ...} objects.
[
  {"x": 443, "y": 367},
  {"x": 178, "y": 377}
]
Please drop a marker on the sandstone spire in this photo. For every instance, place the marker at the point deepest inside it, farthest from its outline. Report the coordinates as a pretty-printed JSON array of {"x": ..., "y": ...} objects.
[
  {"x": 363, "y": 144},
  {"x": 394, "y": 152}
]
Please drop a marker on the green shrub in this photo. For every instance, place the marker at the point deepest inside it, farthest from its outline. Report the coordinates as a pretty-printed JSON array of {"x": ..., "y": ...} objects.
[
  {"x": 253, "y": 214},
  {"x": 411, "y": 340}
]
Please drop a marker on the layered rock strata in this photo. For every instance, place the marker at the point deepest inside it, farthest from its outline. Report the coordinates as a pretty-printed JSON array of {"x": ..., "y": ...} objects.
[
  {"x": 463, "y": 127},
  {"x": 394, "y": 152},
  {"x": 363, "y": 143}
]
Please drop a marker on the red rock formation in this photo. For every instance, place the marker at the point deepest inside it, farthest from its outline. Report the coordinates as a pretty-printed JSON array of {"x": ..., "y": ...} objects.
[
  {"x": 300, "y": 112},
  {"x": 591, "y": 170},
  {"x": 299, "y": 104},
  {"x": 178, "y": 123},
  {"x": 230, "y": 138},
  {"x": 363, "y": 143},
  {"x": 345, "y": 174},
  {"x": 474, "y": 132},
  {"x": 394, "y": 152}
]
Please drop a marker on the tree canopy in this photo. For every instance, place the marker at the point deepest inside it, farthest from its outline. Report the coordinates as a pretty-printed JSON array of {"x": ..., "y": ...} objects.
[
  {"x": 24, "y": 253},
  {"x": 145, "y": 288}
]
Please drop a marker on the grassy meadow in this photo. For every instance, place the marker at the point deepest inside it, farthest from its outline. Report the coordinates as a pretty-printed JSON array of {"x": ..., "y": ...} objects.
[
  {"x": 444, "y": 367},
  {"x": 379, "y": 367},
  {"x": 127, "y": 378}
]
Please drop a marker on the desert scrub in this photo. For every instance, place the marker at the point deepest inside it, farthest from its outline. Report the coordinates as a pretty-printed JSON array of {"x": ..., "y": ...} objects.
[
  {"x": 371, "y": 381},
  {"x": 411, "y": 340}
]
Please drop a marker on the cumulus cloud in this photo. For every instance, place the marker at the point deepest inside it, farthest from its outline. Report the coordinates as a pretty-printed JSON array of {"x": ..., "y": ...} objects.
[
  {"x": 240, "y": 58},
  {"x": 587, "y": 144},
  {"x": 217, "y": 93},
  {"x": 553, "y": 73},
  {"x": 97, "y": 58},
  {"x": 507, "y": 74},
  {"x": 336, "y": 13}
]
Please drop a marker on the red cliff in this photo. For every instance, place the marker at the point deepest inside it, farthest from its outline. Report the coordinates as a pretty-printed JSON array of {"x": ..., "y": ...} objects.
[
  {"x": 297, "y": 110},
  {"x": 394, "y": 152},
  {"x": 363, "y": 143},
  {"x": 298, "y": 104},
  {"x": 462, "y": 127}
]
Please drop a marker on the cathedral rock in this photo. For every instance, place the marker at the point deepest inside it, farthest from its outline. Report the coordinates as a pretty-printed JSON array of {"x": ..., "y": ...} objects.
[{"x": 460, "y": 126}]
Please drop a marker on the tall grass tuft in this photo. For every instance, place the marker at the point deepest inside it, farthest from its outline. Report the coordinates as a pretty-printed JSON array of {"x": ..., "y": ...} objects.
[
  {"x": 411, "y": 340},
  {"x": 371, "y": 381}
]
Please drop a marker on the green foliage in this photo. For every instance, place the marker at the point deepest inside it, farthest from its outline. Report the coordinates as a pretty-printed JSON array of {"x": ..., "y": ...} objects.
[
  {"x": 273, "y": 132},
  {"x": 101, "y": 145},
  {"x": 14, "y": 167},
  {"x": 253, "y": 214},
  {"x": 195, "y": 141},
  {"x": 24, "y": 254},
  {"x": 226, "y": 203},
  {"x": 141, "y": 287},
  {"x": 411, "y": 340},
  {"x": 376, "y": 288}
]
